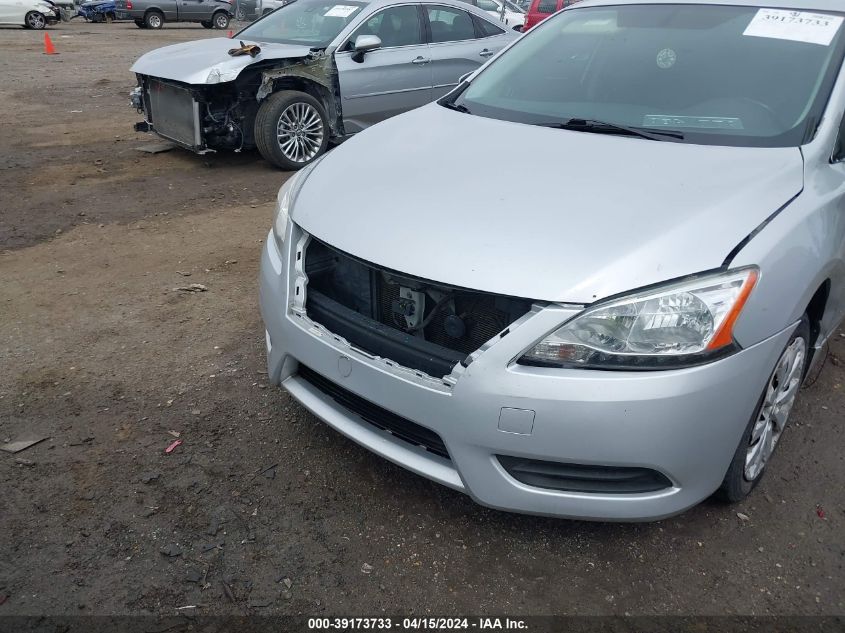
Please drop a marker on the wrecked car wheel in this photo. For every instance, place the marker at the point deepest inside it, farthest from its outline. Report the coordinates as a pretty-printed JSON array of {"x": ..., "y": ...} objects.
[
  {"x": 154, "y": 20},
  {"x": 35, "y": 20},
  {"x": 291, "y": 129},
  {"x": 220, "y": 20}
]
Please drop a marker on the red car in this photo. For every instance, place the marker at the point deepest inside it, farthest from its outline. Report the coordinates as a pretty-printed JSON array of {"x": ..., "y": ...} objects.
[{"x": 541, "y": 9}]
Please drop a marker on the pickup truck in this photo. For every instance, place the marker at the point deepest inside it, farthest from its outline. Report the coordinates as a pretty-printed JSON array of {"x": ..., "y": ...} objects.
[{"x": 152, "y": 14}]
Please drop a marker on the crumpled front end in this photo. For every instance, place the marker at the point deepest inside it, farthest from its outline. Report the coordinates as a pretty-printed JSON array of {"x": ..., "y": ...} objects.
[{"x": 198, "y": 118}]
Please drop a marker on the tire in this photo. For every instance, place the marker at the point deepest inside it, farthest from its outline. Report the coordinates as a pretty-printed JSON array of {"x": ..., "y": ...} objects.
[
  {"x": 206, "y": 24},
  {"x": 220, "y": 20},
  {"x": 240, "y": 14},
  {"x": 745, "y": 472},
  {"x": 140, "y": 24},
  {"x": 153, "y": 20},
  {"x": 35, "y": 20},
  {"x": 110, "y": 17},
  {"x": 308, "y": 143}
]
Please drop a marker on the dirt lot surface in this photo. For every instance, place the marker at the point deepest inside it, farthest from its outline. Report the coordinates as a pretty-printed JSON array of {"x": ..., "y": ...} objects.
[{"x": 263, "y": 509}]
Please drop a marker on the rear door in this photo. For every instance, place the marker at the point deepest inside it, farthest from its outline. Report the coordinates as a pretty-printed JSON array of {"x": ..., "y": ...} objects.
[
  {"x": 391, "y": 79},
  {"x": 460, "y": 43}
]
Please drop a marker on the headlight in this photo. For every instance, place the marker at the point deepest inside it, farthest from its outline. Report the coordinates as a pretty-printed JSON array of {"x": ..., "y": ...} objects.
[
  {"x": 677, "y": 325},
  {"x": 285, "y": 199}
]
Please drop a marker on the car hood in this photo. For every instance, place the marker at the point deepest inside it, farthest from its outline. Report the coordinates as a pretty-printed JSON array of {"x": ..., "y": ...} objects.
[
  {"x": 192, "y": 62},
  {"x": 534, "y": 212}
]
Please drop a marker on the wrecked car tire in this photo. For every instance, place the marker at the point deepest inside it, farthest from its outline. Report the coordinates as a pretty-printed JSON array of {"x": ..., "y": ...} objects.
[
  {"x": 153, "y": 20},
  {"x": 220, "y": 20},
  {"x": 35, "y": 20},
  {"x": 291, "y": 129}
]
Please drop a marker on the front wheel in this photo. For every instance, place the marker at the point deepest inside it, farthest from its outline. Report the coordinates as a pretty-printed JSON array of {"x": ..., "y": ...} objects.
[
  {"x": 35, "y": 20},
  {"x": 291, "y": 129},
  {"x": 220, "y": 20},
  {"x": 766, "y": 427}
]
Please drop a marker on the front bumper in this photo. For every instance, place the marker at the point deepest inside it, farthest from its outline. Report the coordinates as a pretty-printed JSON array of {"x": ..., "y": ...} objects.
[{"x": 685, "y": 424}]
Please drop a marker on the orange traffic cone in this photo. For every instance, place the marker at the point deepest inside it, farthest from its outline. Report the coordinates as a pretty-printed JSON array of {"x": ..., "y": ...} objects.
[
  {"x": 49, "y": 49},
  {"x": 230, "y": 34}
]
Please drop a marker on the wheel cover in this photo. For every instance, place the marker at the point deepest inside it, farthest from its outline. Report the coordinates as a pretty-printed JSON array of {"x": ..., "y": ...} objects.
[
  {"x": 300, "y": 132},
  {"x": 155, "y": 20},
  {"x": 781, "y": 392},
  {"x": 36, "y": 20},
  {"x": 221, "y": 21}
]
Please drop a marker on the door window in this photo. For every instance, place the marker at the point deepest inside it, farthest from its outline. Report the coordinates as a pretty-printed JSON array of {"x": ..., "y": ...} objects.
[
  {"x": 397, "y": 26},
  {"x": 547, "y": 6},
  {"x": 450, "y": 25}
]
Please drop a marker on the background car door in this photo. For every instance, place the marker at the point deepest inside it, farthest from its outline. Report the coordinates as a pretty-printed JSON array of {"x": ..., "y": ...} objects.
[
  {"x": 460, "y": 43},
  {"x": 390, "y": 80},
  {"x": 194, "y": 9},
  {"x": 11, "y": 12}
]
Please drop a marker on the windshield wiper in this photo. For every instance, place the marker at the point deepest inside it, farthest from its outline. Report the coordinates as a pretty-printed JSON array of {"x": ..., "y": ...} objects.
[
  {"x": 457, "y": 107},
  {"x": 602, "y": 127}
]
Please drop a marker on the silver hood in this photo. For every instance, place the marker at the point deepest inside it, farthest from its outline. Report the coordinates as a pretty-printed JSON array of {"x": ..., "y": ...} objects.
[
  {"x": 193, "y": 62},
  {"x": 535, "y": 212}
]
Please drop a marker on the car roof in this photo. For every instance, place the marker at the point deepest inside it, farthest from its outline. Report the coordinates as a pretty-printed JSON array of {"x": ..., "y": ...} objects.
[{"x": 798, "y": 5}]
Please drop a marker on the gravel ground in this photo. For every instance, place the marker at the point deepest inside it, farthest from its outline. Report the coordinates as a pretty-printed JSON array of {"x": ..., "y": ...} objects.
[{"x": 263, "y": 509}]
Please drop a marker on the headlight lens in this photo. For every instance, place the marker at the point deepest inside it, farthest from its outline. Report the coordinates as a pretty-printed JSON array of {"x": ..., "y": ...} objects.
[{"x": 677, "y": 325}]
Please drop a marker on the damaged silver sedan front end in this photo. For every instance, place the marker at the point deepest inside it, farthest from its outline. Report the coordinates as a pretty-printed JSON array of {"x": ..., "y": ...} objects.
[{"x": 310, "y": 73}]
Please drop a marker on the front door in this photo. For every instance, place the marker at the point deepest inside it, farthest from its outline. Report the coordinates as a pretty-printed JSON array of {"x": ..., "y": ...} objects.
[{"x": 391, "y": 79}]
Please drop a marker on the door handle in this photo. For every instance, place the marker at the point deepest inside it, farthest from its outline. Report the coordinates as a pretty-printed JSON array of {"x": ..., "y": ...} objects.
[
  {"x": 420, "y": 60},
  {"x": 487, "y": 52}
]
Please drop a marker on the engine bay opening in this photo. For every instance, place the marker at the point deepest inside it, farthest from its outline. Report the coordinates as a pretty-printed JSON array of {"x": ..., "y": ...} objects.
[{"x": 417, "y": 323}]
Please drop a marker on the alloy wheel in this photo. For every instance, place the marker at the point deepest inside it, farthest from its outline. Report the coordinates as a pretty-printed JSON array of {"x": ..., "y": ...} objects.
[
  {"x": 36, "y": 20},
  {"x": 300, "y": 132},
  {"x": 777, "y": 403}
]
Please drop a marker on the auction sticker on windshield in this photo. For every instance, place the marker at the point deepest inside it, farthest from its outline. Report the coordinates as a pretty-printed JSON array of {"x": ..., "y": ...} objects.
[
  {"x": 798, "y": 26},
  {"x": 340, "y": 11}
]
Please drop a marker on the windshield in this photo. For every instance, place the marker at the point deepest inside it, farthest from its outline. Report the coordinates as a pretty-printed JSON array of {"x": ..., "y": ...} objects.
[
  {"x": 313, "y": 23},
  {"x": 715, "y": 74}
]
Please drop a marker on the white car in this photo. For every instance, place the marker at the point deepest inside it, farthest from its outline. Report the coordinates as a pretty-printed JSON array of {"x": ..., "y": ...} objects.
[
  {"x": 513, "y": 16},
  {"x": 31, "y": 14}
]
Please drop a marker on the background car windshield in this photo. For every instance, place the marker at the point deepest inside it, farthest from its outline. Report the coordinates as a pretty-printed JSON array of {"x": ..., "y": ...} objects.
[
  {"x": 718, "y": 74},
  {"x": 307, "y": 22}
]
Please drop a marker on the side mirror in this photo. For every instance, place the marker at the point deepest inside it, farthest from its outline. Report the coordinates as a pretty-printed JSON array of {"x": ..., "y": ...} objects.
[{"x": 363, "y": 45}]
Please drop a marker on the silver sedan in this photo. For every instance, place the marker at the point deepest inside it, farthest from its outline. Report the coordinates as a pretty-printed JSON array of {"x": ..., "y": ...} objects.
[
  {"x": 624, "y": 331},
  {"x": 311, "y": 72}
]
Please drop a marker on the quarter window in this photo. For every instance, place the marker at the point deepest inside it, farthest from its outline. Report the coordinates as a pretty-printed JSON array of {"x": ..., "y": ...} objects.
[
  {"x": 397, "y": 26},
  {"x": 450, "y": 25},
  {"x": 486, "y": 29}
]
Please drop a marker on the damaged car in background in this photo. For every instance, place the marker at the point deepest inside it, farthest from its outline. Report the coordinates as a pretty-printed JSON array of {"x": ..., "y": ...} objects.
[{"x": 310, "y": 73}]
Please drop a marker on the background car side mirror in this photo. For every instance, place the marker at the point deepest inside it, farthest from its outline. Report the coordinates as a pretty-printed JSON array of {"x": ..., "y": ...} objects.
[{"x": 364, "y": 44}]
